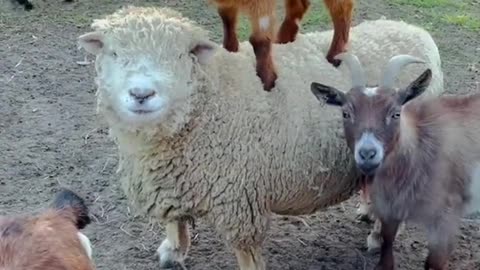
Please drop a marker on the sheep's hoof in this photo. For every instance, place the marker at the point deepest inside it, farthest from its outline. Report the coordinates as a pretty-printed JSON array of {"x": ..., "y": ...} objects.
[
  {"x": 374, "y": 242},
  {"x": 363, "y": 213},
  {"x": 170, "y": 257}
]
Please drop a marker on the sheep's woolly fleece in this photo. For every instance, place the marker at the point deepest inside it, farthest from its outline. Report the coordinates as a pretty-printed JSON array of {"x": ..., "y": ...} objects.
[{"x": 241, "y": 153}]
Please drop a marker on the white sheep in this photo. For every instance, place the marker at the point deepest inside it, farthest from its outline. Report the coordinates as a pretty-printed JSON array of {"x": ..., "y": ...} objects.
[{"x": 199, "y": 138}]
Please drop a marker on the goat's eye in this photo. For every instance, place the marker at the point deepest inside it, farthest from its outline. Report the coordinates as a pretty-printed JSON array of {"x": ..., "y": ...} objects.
[
  {"x": 114, "y": 54},
  {"x": 396, "y": 115},
  {"x": 346, "y": 115}
]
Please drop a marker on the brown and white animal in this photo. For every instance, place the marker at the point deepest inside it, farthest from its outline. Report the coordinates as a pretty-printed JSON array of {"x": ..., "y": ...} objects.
[
  {"x": 423, "y": 154},
  {"x": 51, "y": 240},
  {"x": 263, "y": 23}
]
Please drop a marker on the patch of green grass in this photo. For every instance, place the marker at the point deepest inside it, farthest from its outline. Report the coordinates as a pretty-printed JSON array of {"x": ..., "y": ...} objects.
[
  {"x": 434, "y": 14},
  {"x": 465, "y": 21},
  {"x": 316, "y": 16},
  {"x": 426, "y": 3},
  {"x": 243, "y": 28}
]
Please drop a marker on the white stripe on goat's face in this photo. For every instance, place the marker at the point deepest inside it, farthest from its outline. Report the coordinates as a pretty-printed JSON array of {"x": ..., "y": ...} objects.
[
  {"x": 85, "y": 244},
  {"x": 369, "y": 153},
  {"x": 370, "y": 91}
]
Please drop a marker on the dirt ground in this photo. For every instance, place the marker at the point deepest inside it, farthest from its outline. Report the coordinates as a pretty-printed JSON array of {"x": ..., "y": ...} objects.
[{"x": 50, "y": 137}]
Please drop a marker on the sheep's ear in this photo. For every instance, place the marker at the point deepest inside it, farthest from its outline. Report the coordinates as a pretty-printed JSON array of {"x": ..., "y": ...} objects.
[
  {"x": 330, "y": 95},
  {"x": 92, "y": 42},
  {"x": 416, "y": 88},
  {"x": 204, "y": 51}
]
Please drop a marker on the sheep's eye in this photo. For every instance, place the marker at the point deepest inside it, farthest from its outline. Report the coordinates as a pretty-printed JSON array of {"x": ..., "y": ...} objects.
[
  {"x": 114, "y": 54},
  {"x": 396, "y": 115},
  {"x": 346, "y": 115}
]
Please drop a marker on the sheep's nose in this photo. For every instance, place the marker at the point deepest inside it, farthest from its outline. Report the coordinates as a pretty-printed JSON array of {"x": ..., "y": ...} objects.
[
  {"x": 367, "y": 154},
  {"x": 140, "y": 95}
]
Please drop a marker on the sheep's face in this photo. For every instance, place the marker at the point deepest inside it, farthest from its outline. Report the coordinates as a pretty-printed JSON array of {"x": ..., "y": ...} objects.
[
  {"x": 145, "y": 82},
  {"x": 371, "y": 118}
]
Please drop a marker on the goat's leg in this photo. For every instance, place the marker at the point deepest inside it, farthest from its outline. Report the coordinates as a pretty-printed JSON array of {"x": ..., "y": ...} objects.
[
  {"x": 250, "y": 259},
  {"x": 441, "y": 240},
  {"x": 175, "y": 247},
  {"x": 294, "y": 11},
  {"x": 229, "y": 15},
  {"x": 341, "y": 14},
  {"x": 261, "y": 40},
  {"x": 389, "y": 231},
  {"x": 375, "y": 240}
]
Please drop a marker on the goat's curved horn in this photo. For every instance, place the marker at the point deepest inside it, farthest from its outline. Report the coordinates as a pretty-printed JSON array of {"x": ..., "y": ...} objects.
[
  {"x": 394, "y": 66},
  {"x": 356, "y": 69}
]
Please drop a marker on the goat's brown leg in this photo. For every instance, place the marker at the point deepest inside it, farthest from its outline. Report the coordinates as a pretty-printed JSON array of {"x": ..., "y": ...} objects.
[
  {"x": 341, "y": 14},
  {"x": 389, "y": 231},
  {"x": 261, "y": 40},
  {"x": 294, "y": 11},
  {"x": 229, "y": 15},
  {"x": 441, "y": 240}
]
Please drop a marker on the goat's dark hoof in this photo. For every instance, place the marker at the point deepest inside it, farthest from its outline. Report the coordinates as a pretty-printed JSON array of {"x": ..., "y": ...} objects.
[{"x": 335, "y": 62}]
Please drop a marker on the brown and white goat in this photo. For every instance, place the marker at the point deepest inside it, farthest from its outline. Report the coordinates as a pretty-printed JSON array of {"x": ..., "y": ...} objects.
[
  {"x": 262, "y": 19},
  {"x": 423, "y": 155},
  {"x": 50, "y": 240}
]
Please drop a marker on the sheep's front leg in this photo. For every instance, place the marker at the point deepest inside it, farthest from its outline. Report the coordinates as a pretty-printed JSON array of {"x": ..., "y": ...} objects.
[
  {"x": 341, "y": 14},
  {"x": 389, "y": 231},
  {"x": 229, "y": 15},
  {"x": 365, "y": 210},
  {"x": 175, "y": 247},
  {"x": 294, "y": 9},
  {"x": 250, "y": 259},
  {"x": 261, "y": 40}
]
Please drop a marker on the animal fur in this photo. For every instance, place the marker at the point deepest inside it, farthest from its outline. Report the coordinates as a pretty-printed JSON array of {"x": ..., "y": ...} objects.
[
  {"x": 223, "y": 150},
  {"x": 423, "y": 156},
  {"x": 263, "y": 23},
  {"x": 51, "y": 240}
]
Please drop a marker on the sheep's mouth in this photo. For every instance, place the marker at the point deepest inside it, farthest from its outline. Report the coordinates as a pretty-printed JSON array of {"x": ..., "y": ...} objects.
[{"x": 142, "y": 111}]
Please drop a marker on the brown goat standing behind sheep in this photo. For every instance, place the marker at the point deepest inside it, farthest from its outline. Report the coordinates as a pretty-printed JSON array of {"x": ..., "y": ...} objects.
[
  {"x": 262, "y": 19},
  {"x": 49, "y": 241},
  {"x": 424, "y": 155}
]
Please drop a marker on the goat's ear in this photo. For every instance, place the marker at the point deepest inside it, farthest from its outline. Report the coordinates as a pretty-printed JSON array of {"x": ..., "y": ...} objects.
[
  {"x": 92, "y": 42},
  {"x": 204, "y": 51},
  {"x": 416, "y": 88},
  {"x": 330, "y": 95}
]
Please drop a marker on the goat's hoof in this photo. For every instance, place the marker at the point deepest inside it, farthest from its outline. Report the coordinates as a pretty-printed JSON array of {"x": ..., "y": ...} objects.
[
  {"x": 268, "y": 79},
  {"x": 170, "y": 257},
  {"x": 331, "y": 58},
  {"x": 288, "y": 32},
  {"x": 335, "y": 62}
]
